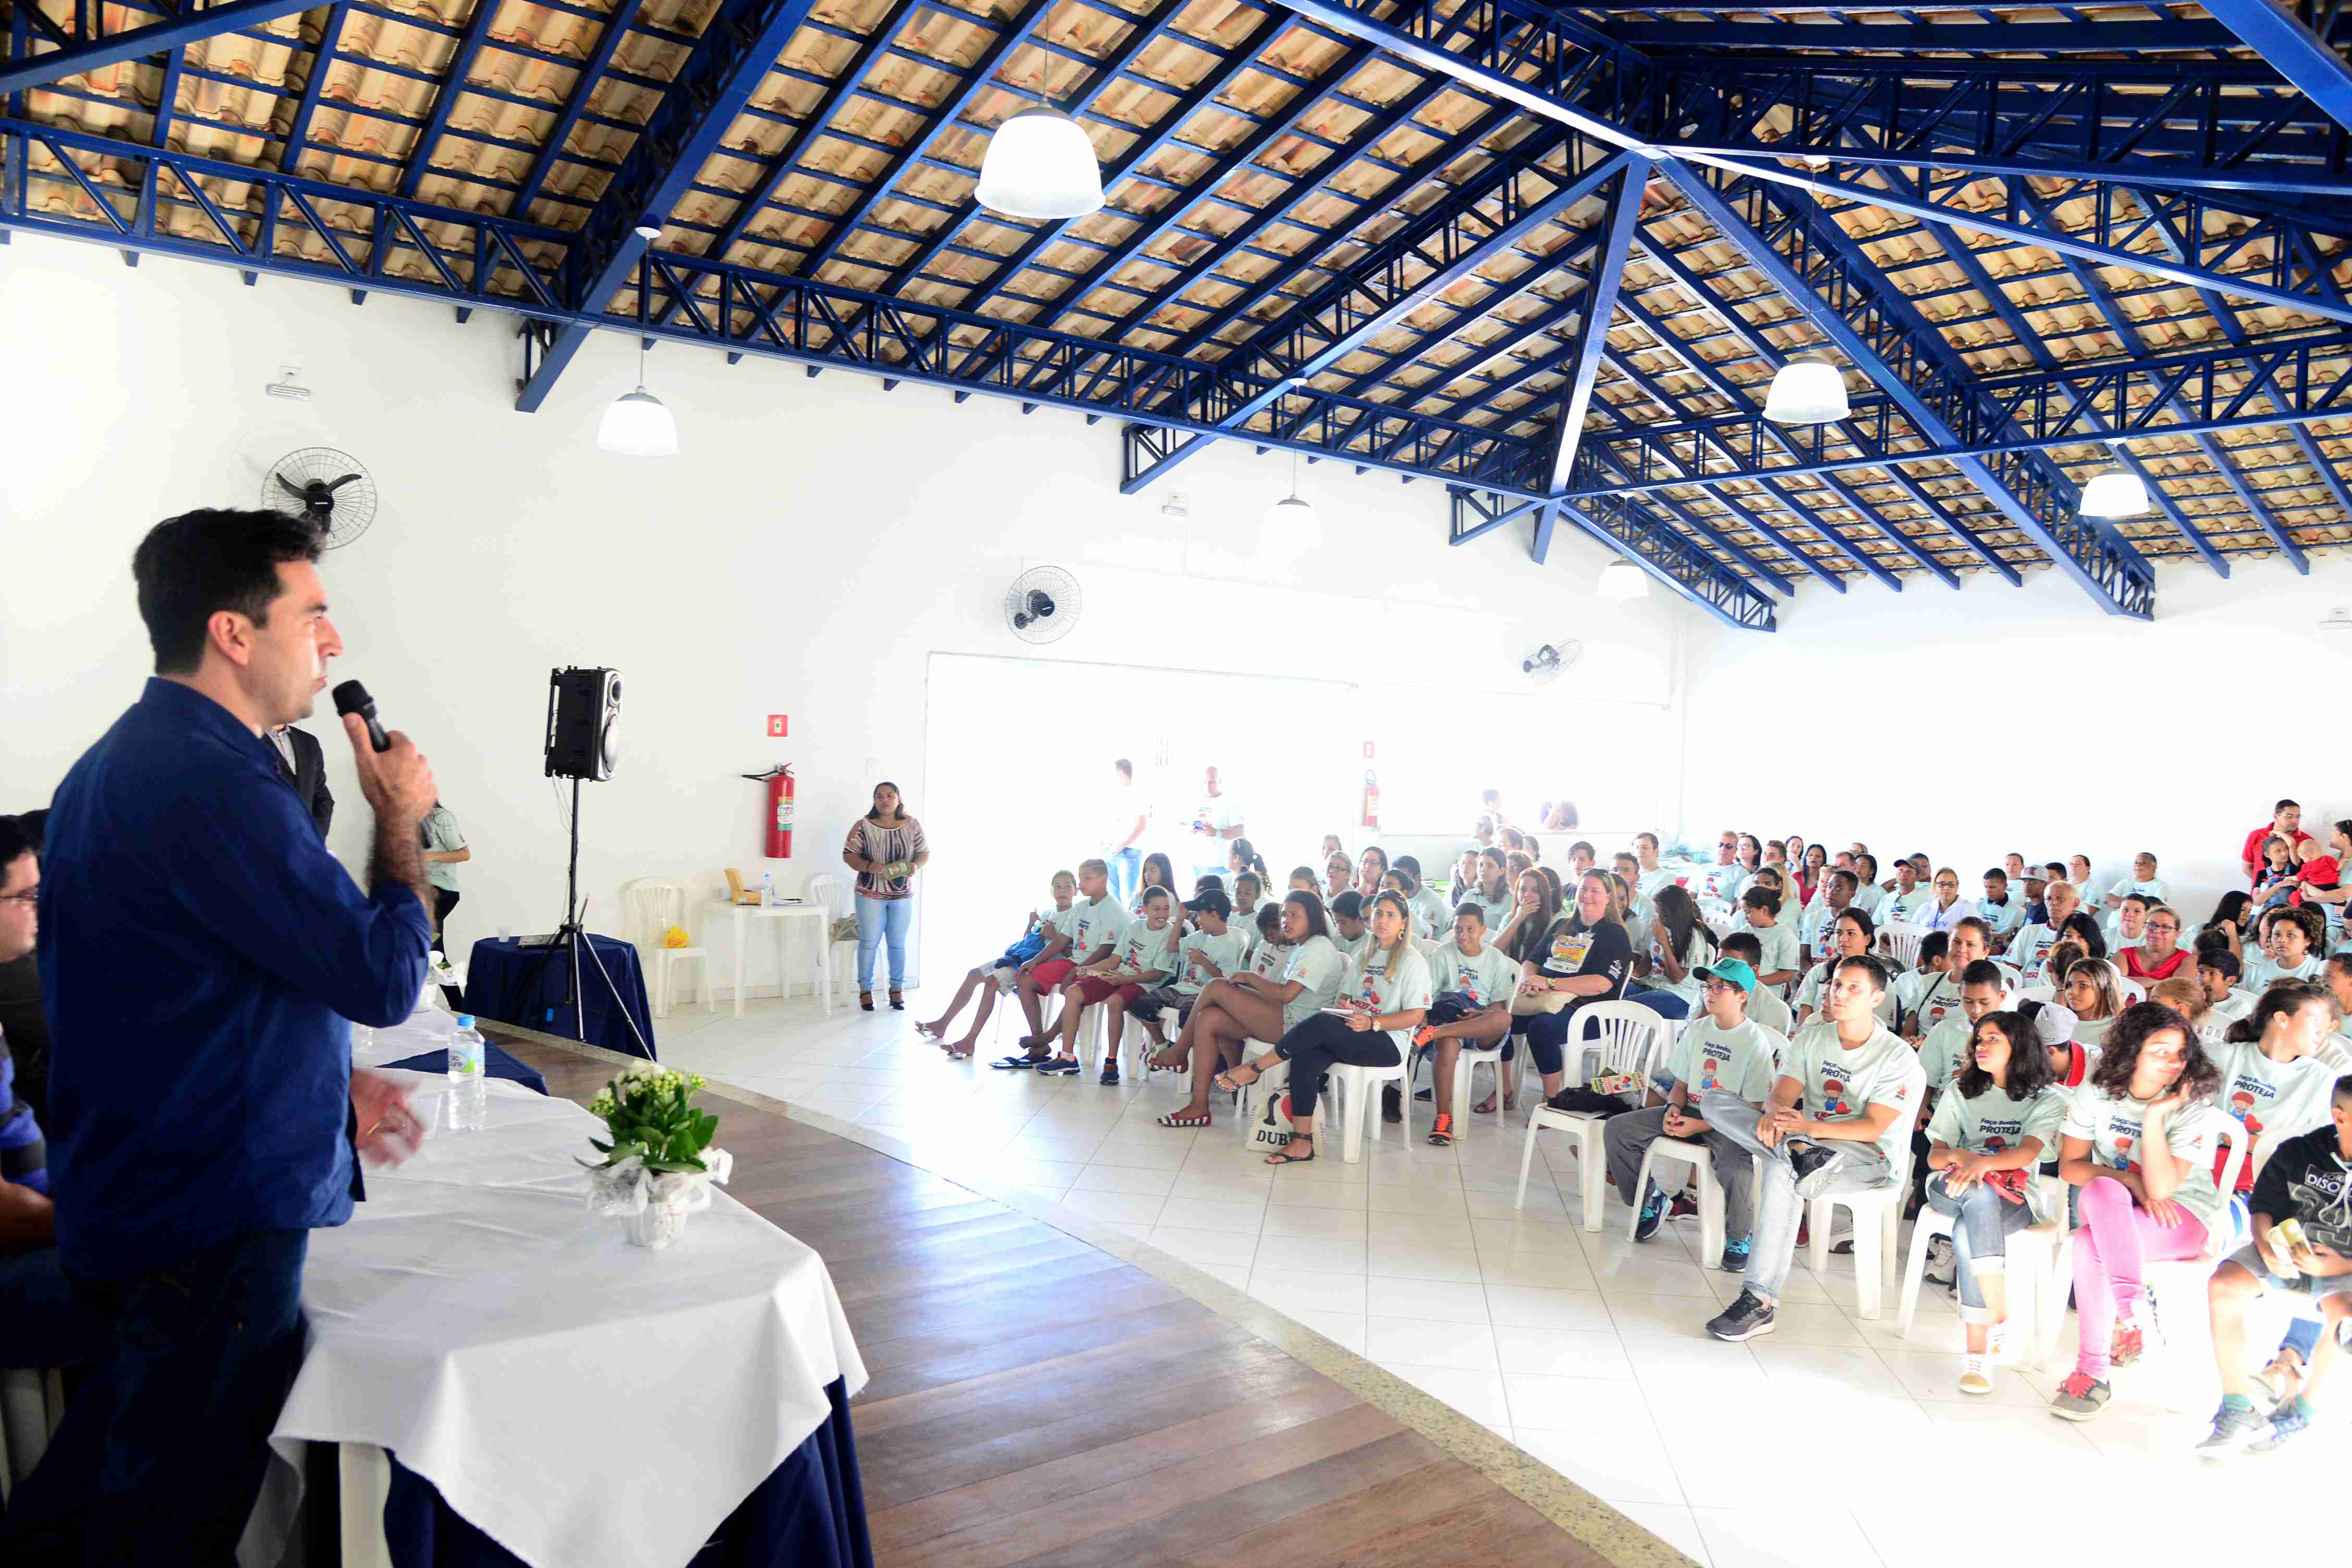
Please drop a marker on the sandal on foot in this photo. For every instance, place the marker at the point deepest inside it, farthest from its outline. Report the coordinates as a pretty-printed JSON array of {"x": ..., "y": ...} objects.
[
  {"x": 1178, "y": 1118},
  {"x": 1285, "y": 1157},
  {"x": 1484, "y": 1107},
  {"x": 1232, "y": 1085},
  {"x": 866, "y": 1001}
]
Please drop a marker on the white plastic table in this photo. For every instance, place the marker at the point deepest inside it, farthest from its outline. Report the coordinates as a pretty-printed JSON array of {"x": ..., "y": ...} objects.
[{"x": 821, "y": 982}]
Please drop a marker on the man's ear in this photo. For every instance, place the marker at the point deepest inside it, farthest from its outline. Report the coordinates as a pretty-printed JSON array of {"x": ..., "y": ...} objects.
[{"x": 232, "y": 634}]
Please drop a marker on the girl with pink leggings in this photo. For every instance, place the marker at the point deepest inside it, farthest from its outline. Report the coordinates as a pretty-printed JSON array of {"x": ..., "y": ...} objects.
[{"x": 2137, "y": 1141}]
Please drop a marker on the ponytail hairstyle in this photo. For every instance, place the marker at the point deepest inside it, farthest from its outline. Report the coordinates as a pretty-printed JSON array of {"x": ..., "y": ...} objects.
[
  {"x": 2119, "y": 1053},
  {"x": 1394, "y": 954},
  {"x": 2286, "y": 996},
  {"x": 1251, "y": 859}
]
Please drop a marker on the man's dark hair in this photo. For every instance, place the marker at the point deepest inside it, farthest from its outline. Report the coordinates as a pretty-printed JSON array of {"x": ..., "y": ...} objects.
[
  {"x": 1936, "y": 944},
  {"x": 1349, "y": 906},
  {"x": 1746, "y": 946},
  {"x": 2284, "y": 804},
  {"x": 16, "y": 841},
  {"x": 36, "y": 823},
  {"x": 1869, "y": 966},
  {"x": 191, "y": 567},
  {"x": 1983, "y": 972}
]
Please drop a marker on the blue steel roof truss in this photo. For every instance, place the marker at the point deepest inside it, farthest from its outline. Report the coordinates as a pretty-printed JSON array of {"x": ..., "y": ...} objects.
[{"x": 1440, "y": 326}]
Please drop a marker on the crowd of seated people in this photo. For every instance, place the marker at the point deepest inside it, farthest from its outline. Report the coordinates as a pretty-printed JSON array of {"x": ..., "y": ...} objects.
[{"x": 2051, "y": 1052}]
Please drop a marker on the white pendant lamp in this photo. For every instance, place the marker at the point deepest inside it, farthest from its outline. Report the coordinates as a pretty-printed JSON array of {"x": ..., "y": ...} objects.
[
  {"x": 1292, "y": 525},
  {"x": 1039, "y": 165},
  {"x": 1808, "y": 391},
  {"x": 1621, "y": 579},
  {"x": 638, "y": 424},
  {"x": 2117, "y": 492}
]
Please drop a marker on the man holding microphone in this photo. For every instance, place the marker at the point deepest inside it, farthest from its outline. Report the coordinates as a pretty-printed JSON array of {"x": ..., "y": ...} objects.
[{"x": 203, "y": 951}]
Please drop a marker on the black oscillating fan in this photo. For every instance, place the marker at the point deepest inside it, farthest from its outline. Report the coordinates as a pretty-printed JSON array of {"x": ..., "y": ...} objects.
[{"x": 329, "y": 490}]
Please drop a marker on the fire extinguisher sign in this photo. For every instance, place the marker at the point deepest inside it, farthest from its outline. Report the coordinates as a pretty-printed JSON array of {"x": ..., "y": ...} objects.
[{"x": 1372, "y": 799}]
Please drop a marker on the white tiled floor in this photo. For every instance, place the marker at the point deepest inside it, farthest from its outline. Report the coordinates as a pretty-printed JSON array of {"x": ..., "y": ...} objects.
[{"x": 1832, "y": 1441}]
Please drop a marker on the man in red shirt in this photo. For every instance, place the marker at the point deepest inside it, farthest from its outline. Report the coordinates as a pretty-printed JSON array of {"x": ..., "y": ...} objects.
[{"x": 2286, "y": 821}]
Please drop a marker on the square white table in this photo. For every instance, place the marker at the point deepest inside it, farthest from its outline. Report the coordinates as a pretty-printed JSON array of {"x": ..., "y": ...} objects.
[
  {"x": 475, "y": 1318},
  {"x": 820, "y": 983}
]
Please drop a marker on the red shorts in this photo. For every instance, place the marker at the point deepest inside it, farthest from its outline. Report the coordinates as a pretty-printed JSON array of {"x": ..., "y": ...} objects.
[
  {"x": 1094, "y": 988},
  {"x": 1052, "y": 972}
]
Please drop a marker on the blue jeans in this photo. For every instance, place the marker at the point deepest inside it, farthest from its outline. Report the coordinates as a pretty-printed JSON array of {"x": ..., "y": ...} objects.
[
  {"x": 1665, "y": 1003},
  {"x": 1983, "y": 1219},
  {"x": 881, "y": 919},
  {"x": 1779, "y": 1209},
  {"x": 214, "y": 1340},
  {"x": 1126, "y": 871}
]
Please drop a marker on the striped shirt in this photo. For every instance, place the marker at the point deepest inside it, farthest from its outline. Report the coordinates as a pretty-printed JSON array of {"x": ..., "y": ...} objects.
[{"x": 870, "y": 840}]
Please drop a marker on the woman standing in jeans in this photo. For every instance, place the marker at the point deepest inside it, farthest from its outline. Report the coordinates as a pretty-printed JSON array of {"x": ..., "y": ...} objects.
[{"x": 886, "y": 847}]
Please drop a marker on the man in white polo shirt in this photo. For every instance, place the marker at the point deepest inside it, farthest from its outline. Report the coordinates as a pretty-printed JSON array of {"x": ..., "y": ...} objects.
[{"x": 1653, "y": 876}]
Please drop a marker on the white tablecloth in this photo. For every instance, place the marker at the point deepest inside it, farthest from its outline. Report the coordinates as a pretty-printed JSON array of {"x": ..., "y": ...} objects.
[{"x": 587, "y": 1403}]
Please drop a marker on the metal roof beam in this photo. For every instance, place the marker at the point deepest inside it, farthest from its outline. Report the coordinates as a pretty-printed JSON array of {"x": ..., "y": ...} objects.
[
  {"x": 727, "y": 64},
  {"x": 2302, "y": 56},
  {"x": 1632, "y": 533},
  {"x": 444, "y": 97},
  {"x": 191, "y": 23},
  {"x": 1661, "y": 39},
  {"x": 583, "y": 87},
  {"x": 1441, "y": 244},
  {"x": 1599, "y": 306},
  {"x": 1851, "y": 303}
]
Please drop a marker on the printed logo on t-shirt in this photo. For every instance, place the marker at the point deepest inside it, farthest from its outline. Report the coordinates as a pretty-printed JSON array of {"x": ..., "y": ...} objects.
[
  {"x": 1569, "y": 948},
  {"x": 1834, "y": 1097},
  {"x": 2245, "y": 1095}
]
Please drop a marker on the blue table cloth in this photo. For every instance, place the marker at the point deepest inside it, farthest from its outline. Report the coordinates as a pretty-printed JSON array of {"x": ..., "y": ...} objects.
[
  {"x": 496, "y": 1062},
  {"x": 499, "y": 985},
  {"x": 808, "y": 1513}
]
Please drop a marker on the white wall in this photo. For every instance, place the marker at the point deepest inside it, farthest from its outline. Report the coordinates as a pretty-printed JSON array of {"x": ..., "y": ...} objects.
[
  {"x": 1971, "y": 724},
  {"x": 815, "y": 542}
]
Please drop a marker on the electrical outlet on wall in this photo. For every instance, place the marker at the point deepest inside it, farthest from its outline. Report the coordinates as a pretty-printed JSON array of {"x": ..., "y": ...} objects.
[{"x": 289, "y": 385}]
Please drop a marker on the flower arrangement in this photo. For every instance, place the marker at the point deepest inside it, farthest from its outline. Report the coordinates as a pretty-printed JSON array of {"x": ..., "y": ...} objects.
[{"x": 659, "y": 1167}]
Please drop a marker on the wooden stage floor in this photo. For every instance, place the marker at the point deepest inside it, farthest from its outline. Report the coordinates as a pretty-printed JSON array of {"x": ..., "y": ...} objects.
[{"x": 1036, "y": 1401}]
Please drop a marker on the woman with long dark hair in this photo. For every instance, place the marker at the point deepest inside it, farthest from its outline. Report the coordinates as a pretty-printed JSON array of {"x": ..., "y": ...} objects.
[
  {"x": 1247, "y": 1007},
  {"x": 1676, "y": 943},
  {"x": 1984, "y": 1142},
  {"x": 2138, "y": 1142},
  {"x": 1158, "y": 871},
  {"x": 1382, "y": 999},
  {"x": 886, "y": 847},
  {"x": 2084, "y": 927},
  {"x": 2230, "y": 920}
]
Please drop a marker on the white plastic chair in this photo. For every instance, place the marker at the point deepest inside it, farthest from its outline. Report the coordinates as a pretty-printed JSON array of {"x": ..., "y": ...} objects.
[
  {"x": 1772, "y": 1011},
  {"x": 1630, "y": 1037},
  {"x": 1701, "y": 1159},
  {"x": 2133, "y": 990},
  {"x": 2034, "y": 1255},
  {"x": 655, "y": 904},
  {"x": 836, "y": 891},
  {"x": 1877, "y": 1231},
  {"x": 32, "y": 1402},
  {"x": 1356, "y": 1090},
  {"x": 1900, "y": 941},
  {"x": 2184, "y": 1279},
  {"x": 1245, "y": 1104}
]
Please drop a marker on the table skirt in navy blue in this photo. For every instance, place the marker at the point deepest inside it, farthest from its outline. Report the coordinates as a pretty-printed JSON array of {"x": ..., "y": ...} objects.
[{"x": 499, "y": 985}]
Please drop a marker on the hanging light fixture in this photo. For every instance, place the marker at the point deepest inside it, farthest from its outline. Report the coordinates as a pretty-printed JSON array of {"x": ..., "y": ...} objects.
[
  {"x": 1292, "y": 524},
  {"x": 638, "y": 424},
  {"x": 2115, "y": 493},
  {"x": 1039, "y": 165},
  {"x": 1806, "y": 391},
  {"x": 1621, "y": 579}
]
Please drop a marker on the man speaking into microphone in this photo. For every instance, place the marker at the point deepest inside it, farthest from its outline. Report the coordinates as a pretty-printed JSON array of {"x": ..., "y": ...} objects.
[{"x": 203, "y": 951}]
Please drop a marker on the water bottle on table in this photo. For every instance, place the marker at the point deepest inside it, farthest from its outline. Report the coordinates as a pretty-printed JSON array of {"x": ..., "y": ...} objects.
[
  {"x": 469, "y": 1092},
  {"x": 767, "y": 889}
]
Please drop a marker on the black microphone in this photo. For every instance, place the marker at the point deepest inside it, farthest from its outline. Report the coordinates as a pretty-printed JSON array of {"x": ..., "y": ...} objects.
[{"x": 351, "y": 697}]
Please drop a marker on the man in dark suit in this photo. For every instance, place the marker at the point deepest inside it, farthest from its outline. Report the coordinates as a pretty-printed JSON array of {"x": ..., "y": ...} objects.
[{"x": 301, "y": 765}]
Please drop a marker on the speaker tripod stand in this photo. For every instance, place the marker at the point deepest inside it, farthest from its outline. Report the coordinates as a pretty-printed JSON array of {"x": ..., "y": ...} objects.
[{"x": 571, "y": 937}]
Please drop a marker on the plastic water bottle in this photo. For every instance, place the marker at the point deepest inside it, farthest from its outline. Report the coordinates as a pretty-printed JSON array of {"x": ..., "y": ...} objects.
[
  {"x": 469, "y": 1093},
  {"x": 767, "y": 889}
]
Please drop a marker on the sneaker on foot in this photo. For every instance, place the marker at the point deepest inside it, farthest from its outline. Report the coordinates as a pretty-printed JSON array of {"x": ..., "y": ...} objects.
[
  {"x": 1681, "y": 1208},
  {"x": 1735, "y": 1256},
  {"x": 1654, "y": 1214},
  {"x": 2235, "y": 1423},
  {"x": 1816, "y": 1168},
  {"x": 1059, "y": 1066},
  {"x": 2080, "y": 1397},
  {"x": 1974, "y": 1379},
  {"x": 2285, "y": 1423},
  {"x": 1743, "y": 1319},
  {"x": 1110, "y": 1073},
  {"x": 1018, "y": 1063},
  {"x": 1942, "y": 1263},
  {"x": 1391, "y": 1104}
]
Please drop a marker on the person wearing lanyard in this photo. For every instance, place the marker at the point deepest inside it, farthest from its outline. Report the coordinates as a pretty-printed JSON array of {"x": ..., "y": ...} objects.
[
  {"x": 1585, "y": 956},
  {"x": 204, "y": 953}
]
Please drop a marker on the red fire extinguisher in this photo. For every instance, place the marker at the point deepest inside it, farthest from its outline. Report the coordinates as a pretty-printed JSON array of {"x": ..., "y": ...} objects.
[
  {"x": 1372, "y": 798},
  {"x": 780, "y": 814}
]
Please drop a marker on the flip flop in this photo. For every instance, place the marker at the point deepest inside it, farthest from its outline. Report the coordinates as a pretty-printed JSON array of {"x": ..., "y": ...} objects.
[{"x": 1179, "y": 1120}]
